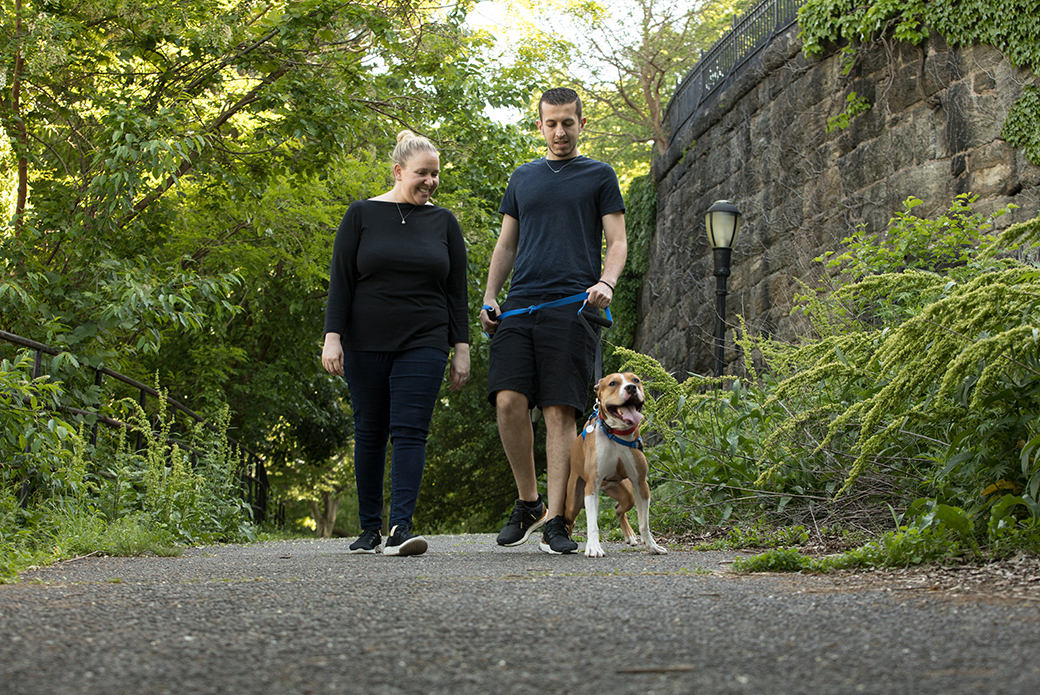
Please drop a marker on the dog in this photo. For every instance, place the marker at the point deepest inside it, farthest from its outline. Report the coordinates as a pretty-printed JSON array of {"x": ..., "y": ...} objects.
[{"x": 608, "y": 456}]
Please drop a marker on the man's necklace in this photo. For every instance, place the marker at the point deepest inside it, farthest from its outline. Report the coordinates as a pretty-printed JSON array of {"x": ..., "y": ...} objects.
[
  {"x": 557, "y": 171},
  {"x": 403, "y": 216}
]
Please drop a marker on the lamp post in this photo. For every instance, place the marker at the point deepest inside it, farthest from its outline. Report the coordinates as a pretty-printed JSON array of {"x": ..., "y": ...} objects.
[{"x": 722, "y": 222}]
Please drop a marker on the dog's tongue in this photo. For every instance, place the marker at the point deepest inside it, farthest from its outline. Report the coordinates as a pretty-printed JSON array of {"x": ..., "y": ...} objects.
[{"x": 630, "y": 415}]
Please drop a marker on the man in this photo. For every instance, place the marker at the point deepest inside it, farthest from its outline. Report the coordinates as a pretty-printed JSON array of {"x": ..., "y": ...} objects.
[{"x": 556, "y": 212}]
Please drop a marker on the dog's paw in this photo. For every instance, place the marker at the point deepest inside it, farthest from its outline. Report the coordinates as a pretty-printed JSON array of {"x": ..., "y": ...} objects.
[
  {"x": 593, "y": 550},
  {"x": 633, "y": 540},
  {"x": 657, "y": 549}
]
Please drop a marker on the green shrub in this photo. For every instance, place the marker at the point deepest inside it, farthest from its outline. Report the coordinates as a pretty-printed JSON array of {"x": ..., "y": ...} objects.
[
  {"x": 62, "y": 498},
  {"x": 919, "y": 381},
  {"x": 776, "y": 560}
]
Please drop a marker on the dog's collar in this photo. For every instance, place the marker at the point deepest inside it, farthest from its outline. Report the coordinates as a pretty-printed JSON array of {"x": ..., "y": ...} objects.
[
  {"x": 610, "y": 430},
  {"x": 612, "y": 434}
]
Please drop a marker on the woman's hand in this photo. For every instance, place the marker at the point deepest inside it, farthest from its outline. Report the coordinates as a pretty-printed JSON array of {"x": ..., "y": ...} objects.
[
  {"x": 332, "y": 354},
  {"x": 459, "y": 372}
]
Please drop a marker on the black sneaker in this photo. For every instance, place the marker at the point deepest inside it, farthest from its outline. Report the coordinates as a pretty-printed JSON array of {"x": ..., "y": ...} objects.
[
  {"x": 522, "y": 523},
  {"x": 369, "y": 542},
  {"x": 402, "y": 542},
  {"x": 555, "y": 539}
]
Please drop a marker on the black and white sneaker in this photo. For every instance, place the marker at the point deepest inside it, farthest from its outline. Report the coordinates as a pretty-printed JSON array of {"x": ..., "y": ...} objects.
[
  {"x": 402, "y": 542},
  {"x": 555, "y": 539},
  {"x": 524, "y": 520},
  {"x": 369, "y": 542}
]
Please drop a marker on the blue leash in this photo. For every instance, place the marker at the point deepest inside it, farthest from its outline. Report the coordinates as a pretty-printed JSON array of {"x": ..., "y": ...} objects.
[{"x": 582, "y": 297}]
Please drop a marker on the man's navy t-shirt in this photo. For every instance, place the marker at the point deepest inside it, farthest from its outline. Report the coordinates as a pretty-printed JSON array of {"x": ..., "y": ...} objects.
[{"x": 561, "y": 224}]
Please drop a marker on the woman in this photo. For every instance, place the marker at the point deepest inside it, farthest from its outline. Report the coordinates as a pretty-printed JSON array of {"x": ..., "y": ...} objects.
[{"x": 397, "y": 305}]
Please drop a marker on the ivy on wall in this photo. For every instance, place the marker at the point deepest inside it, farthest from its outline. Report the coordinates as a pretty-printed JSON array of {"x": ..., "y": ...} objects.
[
  {"x": 1022, "y": 127},
  {"x": 1012, "y": 26},
  {"x": 640, "y": 221}
]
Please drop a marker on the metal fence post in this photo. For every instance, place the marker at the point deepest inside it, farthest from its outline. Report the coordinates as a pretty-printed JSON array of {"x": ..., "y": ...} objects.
[{"x": 98, "y": 377}]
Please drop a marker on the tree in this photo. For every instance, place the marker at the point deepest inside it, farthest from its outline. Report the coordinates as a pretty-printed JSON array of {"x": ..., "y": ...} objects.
[
  {"x": 186, "y": 164},
  {"x": 626, "y": 59}
]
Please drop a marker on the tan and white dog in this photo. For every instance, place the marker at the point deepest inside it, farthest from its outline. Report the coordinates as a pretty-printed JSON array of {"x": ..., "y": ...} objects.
[{"x": 608, "y": 456}]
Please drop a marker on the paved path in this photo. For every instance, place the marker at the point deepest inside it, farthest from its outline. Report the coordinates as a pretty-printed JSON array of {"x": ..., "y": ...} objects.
[{"x": 469, "y": 617}]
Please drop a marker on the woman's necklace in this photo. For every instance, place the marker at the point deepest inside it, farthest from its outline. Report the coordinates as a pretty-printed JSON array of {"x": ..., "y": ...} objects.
[
  {"x": 557, "y": 171},
  {"x": 403, "y": 216}
]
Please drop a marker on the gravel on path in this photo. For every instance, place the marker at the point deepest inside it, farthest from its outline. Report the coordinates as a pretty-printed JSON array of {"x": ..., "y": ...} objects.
[{"x": 306, "y": 616}]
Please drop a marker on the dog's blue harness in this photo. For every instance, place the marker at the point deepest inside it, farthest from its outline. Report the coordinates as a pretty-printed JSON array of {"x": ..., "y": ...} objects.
[{"x": 590, "y": 427}]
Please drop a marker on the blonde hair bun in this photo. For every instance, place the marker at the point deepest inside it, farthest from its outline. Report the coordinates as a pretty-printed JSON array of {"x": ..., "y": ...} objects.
[{"x": 408, "y": 144}]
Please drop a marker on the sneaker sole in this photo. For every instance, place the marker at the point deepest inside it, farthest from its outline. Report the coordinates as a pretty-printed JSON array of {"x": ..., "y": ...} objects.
[
  {"x": 545, "y": 548},
  {"x": 530, "y": 529},
  {"x": 363, "y": 551},
  {"x": 412, "y": 546}
]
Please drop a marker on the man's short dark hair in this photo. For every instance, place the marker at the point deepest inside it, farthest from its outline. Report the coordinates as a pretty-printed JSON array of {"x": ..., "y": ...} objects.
[{"x": 559, "y": 96}]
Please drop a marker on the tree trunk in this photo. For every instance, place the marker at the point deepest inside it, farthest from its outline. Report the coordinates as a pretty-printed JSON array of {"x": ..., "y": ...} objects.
[
  {"x": 14, "y": 122},
  {"x": 324, "y": 513}
]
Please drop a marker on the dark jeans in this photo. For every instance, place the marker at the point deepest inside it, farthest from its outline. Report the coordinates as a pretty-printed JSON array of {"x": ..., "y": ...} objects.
[{"x": 393, "y": 394}]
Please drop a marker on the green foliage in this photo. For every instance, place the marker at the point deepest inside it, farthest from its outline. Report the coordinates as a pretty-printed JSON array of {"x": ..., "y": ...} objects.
[
  {"x": 62, "y": 498},
  {"x": 1022, "y": 127},
  {"x": 912, "y": 242},
  {"x": 189, "y": 492},
  {"x": 824, "y": 22},
  {"x": 902, "y": 548},
  {"x": 32, "y": 441},
  {"x": 776, "y": 560},
  {"x": 640, "y": 223},
  {"x": 854, "y": 106},
  {"x": 759, "y": 535},
  {"x": 186, "y": 167},
  {"x": 917, "y": 389},
  {"x": 1012, "y": 26},
  {"x": 134, "y": 535},
  {"x": 703, "y": 442}
]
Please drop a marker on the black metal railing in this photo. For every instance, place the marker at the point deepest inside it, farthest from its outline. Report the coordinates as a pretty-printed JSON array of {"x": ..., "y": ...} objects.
[
  {"x": 253, "y": 475},
  {"x": 751, "y": 32}
]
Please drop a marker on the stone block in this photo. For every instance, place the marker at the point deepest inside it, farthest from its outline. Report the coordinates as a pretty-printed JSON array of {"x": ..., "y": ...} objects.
[
  {"x": 992, "y": 181},
  {"x": 930, "y": 181},
  {"x": 868, "y": 163},
  {"x": 914, "y": 138},
  {"x": 1028, "y": 172},
  {"x": 994, "y": 153},
  {"x": 983, "y": 82},
  {"x": 941, "y": 69}
]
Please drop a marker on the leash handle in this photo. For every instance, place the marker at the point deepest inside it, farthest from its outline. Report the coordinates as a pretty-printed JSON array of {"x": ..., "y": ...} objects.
[
  {"x": 593, "y": 316},
  {"x": 491, "y": 315},
  {"x": 597, "y": 319}
]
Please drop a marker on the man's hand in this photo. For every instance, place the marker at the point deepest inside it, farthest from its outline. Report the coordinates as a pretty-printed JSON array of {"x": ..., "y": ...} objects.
[
  {"x": 486, "y": 323},
  {"x": 600, "y": 295}
]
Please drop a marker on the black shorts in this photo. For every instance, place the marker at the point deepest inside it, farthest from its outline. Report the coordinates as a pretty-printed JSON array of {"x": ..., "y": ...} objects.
[{"x": 548, "y": 355}]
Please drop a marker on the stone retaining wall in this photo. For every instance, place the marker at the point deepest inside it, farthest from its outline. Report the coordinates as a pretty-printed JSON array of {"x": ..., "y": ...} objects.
[{"x": 933, "y": 132}]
